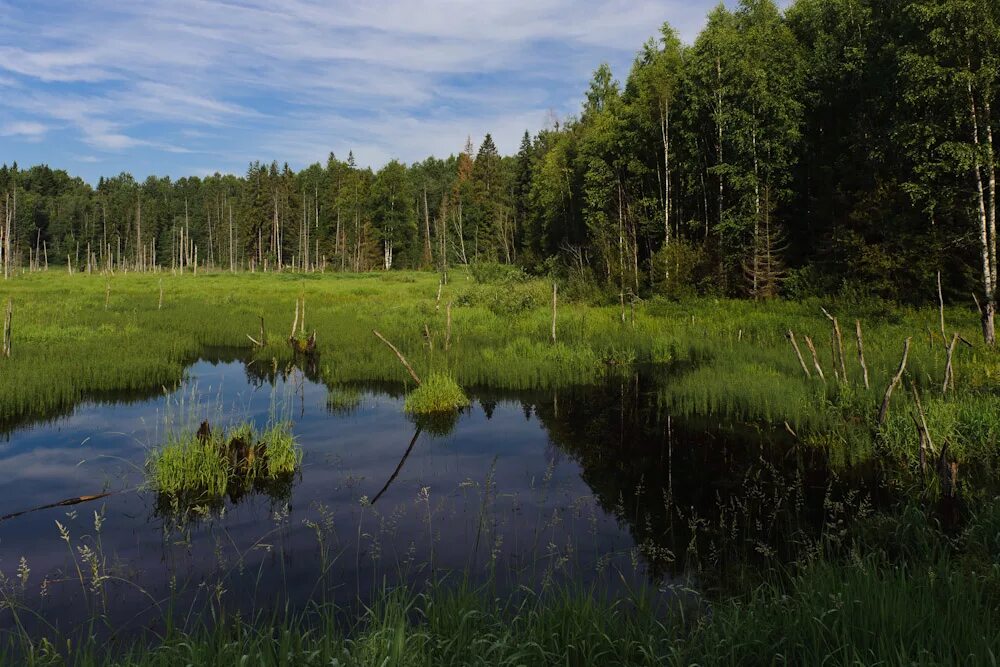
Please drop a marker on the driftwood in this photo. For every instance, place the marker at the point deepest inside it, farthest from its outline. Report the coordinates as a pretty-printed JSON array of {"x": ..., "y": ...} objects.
[
  {"x": 861, "y": 352},
  {"x": 798, "y": 352},
  {"x": 68, "y": 502},
  {"x": 399, "y": 355},
  {"x": 884, "y": 410}
]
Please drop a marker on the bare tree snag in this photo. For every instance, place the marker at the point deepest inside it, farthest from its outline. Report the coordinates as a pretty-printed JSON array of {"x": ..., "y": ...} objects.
[
  {"x": 944, "y": 338},
  {"x": 861, "y": 352},
  {"x": 840, "y": 345},
  {"x": 447, "y": 330},
  {"x": 399, "y": 355},
  {"x": 923, "y": 417},
  {"x": 949, "y": 369},
  {"x": 884, "y": 410},
  {"x": 7, "y": 328},
  {"x": 812, "y": 349},
  {"x": 555, "y": 293},
  {"x": 798, "y": 352}
]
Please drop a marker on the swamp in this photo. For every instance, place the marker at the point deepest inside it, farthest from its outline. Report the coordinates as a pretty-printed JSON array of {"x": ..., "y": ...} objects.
[
  {"x": 682, "y": 473},
  {"x": 420, "y": 334}
]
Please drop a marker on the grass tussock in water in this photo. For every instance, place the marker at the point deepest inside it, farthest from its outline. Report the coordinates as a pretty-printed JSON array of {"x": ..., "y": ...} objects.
[
  {"x": 438, "y": 393},
  {"x": 213, "y": 463}
]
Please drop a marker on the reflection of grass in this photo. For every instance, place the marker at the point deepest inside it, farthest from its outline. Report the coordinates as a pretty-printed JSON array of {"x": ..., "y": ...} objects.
[
  {"x": 211, "y": 464},
  {"x": 342, "y": 400},
  {"x": 439, "y": 393}
]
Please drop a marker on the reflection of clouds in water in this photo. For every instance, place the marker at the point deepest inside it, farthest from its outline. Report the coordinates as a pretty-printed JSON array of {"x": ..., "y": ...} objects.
[{"x": 533, "y": 499}]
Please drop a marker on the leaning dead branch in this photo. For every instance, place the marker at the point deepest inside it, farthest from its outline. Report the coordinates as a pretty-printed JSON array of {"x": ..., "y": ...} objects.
[
  {"x": 798, "y": 352},
  {"x": 884, "y": 410},
  {"x": 812, "y": 349},
  {"x": 399, "y": 355}
]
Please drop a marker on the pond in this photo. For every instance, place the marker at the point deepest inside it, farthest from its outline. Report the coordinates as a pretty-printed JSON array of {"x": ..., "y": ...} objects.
[{"x": 589, "y": 486}]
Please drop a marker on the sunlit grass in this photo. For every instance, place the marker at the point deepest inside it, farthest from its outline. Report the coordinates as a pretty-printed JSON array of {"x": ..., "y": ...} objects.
[
  {"x": 210, "y": 464},
  {"x": 438, "y": 393}
]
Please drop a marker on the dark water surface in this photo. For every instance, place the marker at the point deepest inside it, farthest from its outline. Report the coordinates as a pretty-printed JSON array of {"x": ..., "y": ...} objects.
[{"x": 594, "y": 484}]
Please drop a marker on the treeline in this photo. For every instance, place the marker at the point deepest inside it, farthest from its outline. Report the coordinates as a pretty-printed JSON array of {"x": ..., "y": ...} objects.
[{"x": 842, "y": 144}]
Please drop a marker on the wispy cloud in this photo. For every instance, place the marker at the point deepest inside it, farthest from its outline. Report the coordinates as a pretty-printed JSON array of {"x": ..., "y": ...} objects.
[
  {"x": 235, "y": 80},
  {"x": 27, "y": 129}
]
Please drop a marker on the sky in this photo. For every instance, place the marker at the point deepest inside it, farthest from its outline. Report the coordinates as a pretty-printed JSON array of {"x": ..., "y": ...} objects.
[{"x": 192, "y": 87}]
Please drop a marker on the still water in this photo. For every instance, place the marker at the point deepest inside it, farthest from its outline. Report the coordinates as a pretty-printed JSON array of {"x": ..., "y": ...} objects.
[{"x": 592, "y": 485}]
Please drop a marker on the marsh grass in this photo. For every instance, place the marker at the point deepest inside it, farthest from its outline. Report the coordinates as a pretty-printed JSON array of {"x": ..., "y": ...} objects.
[
  {"x": 439, "y": 393},
  {"x": 210, "y": 464}
]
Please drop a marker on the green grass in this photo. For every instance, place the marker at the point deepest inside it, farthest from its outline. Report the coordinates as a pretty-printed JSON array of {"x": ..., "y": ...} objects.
[
  {"x": 438, "y": 393},
  {"x": 200, "y": 467},
  {"x": 865, "y": 613},
  {"x": 726, "y": 359}
]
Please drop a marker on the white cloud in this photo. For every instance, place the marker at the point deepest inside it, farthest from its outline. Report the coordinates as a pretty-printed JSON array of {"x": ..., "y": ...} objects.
[{"x": 26, "y": 129}]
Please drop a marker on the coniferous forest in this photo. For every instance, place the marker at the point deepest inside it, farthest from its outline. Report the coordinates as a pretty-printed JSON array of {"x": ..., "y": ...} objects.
[{"x": 840, "y": 145}]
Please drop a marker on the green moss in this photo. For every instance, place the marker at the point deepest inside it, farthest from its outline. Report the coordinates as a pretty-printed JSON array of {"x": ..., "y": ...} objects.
[{"x": 438, "y": 393}]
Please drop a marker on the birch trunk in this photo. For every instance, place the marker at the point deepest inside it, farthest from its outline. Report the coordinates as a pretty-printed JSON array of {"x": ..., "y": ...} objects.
[{"x": 989, "y": 284}]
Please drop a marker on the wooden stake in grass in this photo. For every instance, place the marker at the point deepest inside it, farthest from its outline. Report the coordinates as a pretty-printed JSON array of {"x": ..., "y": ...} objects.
[
  {"x": 839, "y": 353},
  {"x": 160, "y": 305},
  {"x": 7, "y": 328},
  {"x": 798, "y": 353},
  {"x": 437, "y": 304},
  {"x": 944, "y": 340},
  {"x": 555, "y": 293},
  {"x": 812, "y": 349},
  {"x": 399, "y": 354},
  {"x": 884, "y": 410},
  {"x": 923, "y": 417},
  {"x": 861, "y": 351},
  {"x": 447, "y": 329},
  {"x": 107, "y": 294}
]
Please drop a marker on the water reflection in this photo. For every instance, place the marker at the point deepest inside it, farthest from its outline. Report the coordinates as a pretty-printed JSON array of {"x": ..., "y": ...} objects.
[{"x": 593, "y": 483}]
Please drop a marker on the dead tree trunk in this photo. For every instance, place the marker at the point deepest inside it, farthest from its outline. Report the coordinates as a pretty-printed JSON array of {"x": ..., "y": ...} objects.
[{"x": 884, "y": 410}]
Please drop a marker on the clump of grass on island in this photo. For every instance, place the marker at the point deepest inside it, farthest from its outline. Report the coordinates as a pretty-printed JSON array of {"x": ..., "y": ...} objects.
[
  {"x": 213, "y": 463},
  {"x": 438, "y": 393},
  {"x": 342, "y": 400}
]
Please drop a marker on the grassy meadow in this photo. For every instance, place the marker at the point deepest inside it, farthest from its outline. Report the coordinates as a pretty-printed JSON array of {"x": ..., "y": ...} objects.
[{"x": 894, "y": 587}]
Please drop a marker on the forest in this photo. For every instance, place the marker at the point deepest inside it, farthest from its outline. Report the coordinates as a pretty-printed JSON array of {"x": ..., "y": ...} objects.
[{"x": 843, "y": 145}]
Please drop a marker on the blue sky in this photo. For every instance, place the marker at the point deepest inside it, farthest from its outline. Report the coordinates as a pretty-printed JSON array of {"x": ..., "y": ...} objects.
[{"x": 190, "y": 87}]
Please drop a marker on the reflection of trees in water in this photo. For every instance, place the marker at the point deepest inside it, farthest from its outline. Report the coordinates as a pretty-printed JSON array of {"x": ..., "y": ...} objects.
[{"x": 694, "y": 493}]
